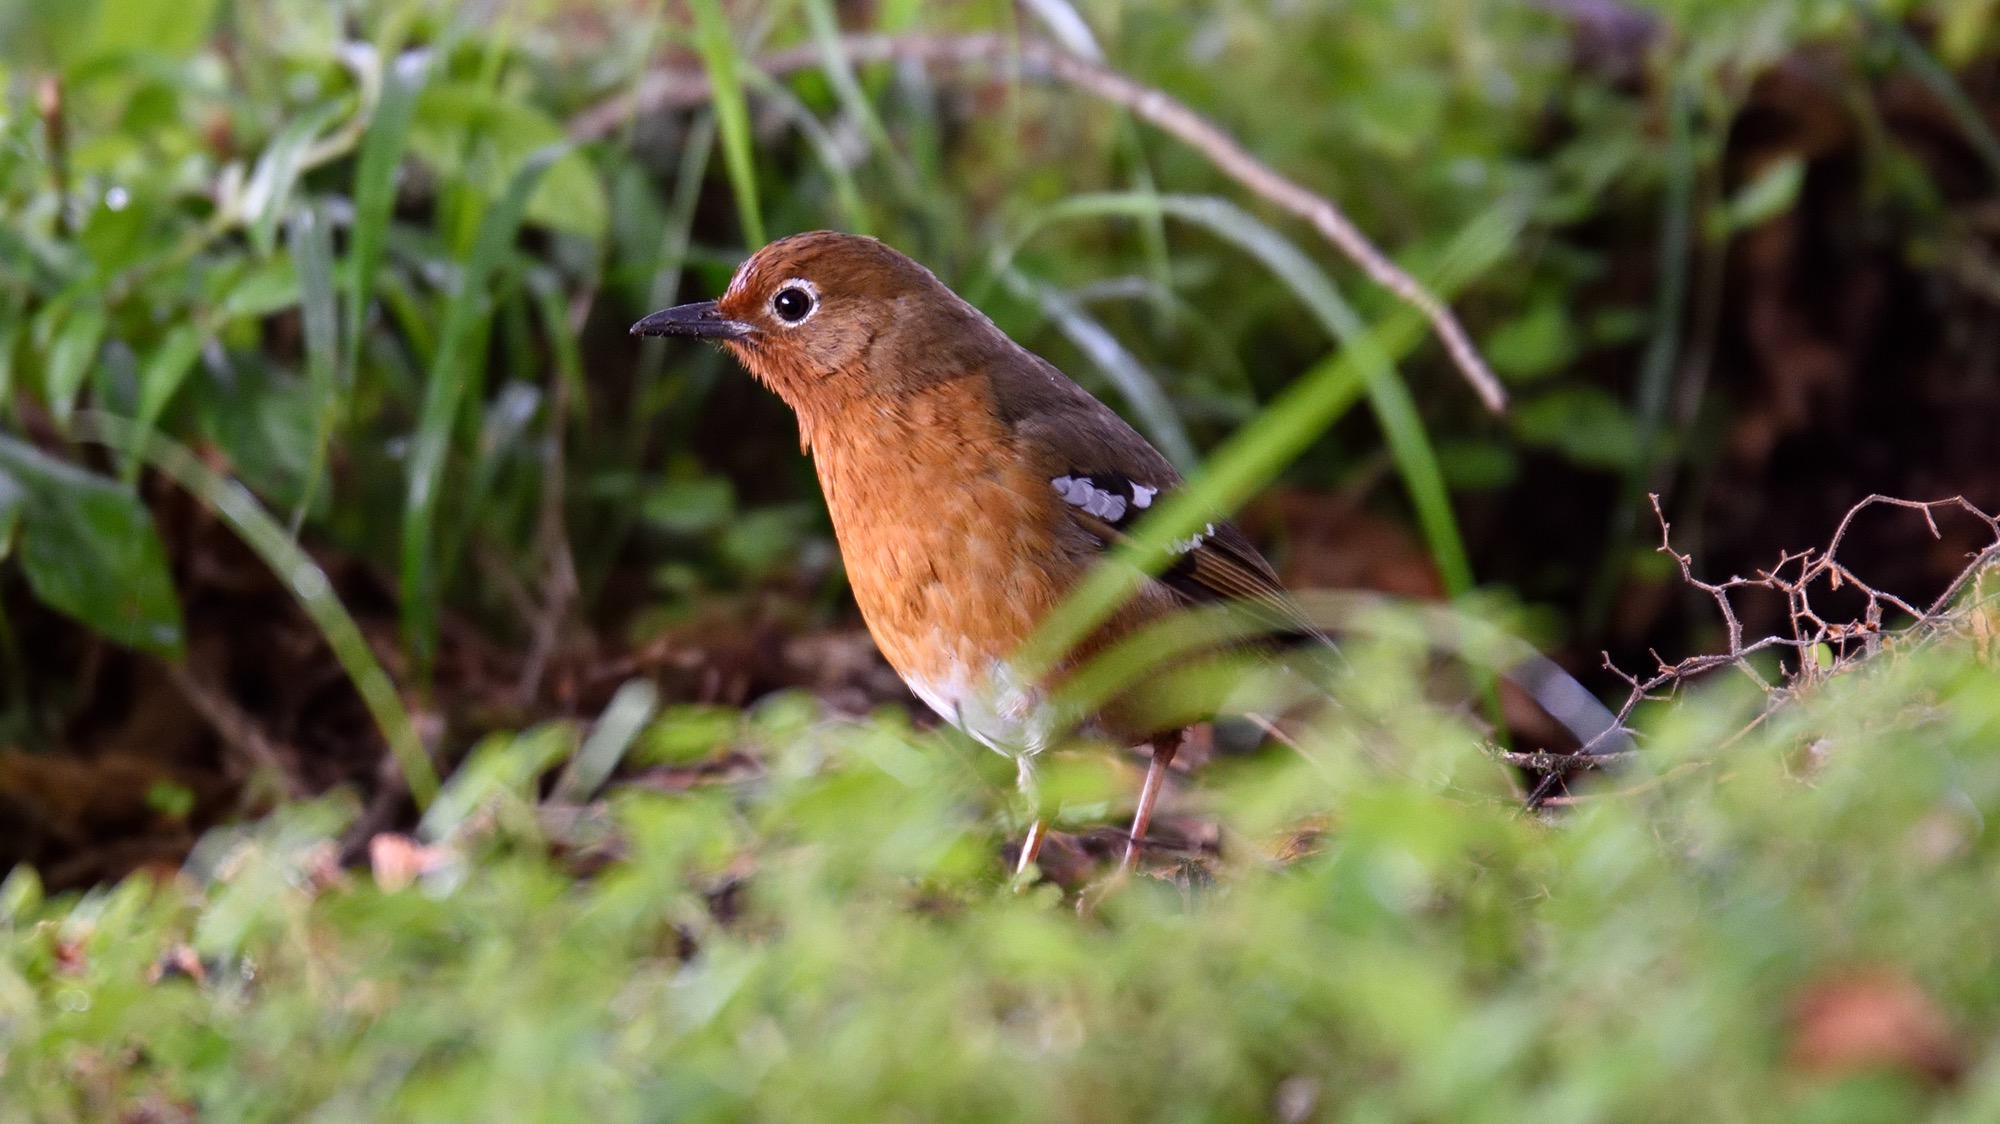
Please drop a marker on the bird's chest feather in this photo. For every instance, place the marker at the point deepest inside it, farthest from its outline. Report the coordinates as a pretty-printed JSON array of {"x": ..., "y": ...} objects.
[{"x": 950, "y": 534}]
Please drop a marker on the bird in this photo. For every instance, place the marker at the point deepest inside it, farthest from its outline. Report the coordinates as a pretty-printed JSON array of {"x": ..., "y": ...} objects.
[{"x": 971, "y": 486}]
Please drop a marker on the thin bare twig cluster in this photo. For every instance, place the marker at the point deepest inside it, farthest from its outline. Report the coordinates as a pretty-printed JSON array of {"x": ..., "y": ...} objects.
[{"x": 1818, "y": 646}]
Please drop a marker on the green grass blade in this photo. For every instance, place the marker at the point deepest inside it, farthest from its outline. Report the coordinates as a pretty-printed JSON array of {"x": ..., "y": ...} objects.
[
  {"x": 311, "y": 239},
  {"x": 375, "y": 194},
  {"x": 1409, "y": 444},
  {"x": 501, "y": 767},
  {"x": 839, "y": 70},
  {"x": 1152, "y": 227},
  {"x": 411, "y": 315},
  {"x": 679, "y": 233},
  {"x": 444, "y": 396},
  {"x": 277, "y": 174},
  {"x": 235, "y": 505},
  {"x": 732, "y": 112},
  {"x": 624, "y": 717}
]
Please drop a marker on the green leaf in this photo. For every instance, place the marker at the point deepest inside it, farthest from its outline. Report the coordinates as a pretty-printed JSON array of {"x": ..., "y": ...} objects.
[
  {"x": 160, "y": 379},
  {"x": 758, "y": 542},
  {"x": 168, "y": 27},
  {"x": 1963, "y": 31},
  {"x": 89, "y": 549},
  {"x": 174, "y": 801},
  {"x": 470, "y": 132},
  {"x": 20, "y": 893},
  {"x": 686, "y": 733},
  {"x": 689, "y": 507},
  {"x": 1586, "y": 424},
  {"x": 1541, "y": 341},
  {"x": 1771, "y": 194},
  {"x": 732, "y": 112},
  {"x": 264, "y": 423},
  {"x": 570, "y": 197},
  {"x": 271, "y": 286},
  {"x": 12, "y": 499},
  {"x": 1478, "y": 465},
  {"x": 71, "y": 353},
  {"x": 501, "y": 766},
  {"x": 1401, "y": 114},
  {"x": 10, "y": 338}
]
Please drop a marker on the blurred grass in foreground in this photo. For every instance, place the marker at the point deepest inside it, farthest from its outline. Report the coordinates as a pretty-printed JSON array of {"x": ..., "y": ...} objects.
[{"x": 832, "y": 937}]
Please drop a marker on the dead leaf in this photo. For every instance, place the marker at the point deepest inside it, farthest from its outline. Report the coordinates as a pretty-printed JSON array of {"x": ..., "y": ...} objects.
[
  {"x": 398, "y": 860},
  {"x": 1875, "y": 1020}
]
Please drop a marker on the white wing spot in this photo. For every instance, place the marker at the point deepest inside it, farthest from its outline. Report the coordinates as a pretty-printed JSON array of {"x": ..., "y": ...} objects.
[
  {"x": 1188, "y": 545},
  {"x": 1142, "y": 496},
  {"x": 1079, "y": 491}
]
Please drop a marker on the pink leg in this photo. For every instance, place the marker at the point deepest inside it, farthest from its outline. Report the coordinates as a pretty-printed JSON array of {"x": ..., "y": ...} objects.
[{"x": 1164, "y": 748}]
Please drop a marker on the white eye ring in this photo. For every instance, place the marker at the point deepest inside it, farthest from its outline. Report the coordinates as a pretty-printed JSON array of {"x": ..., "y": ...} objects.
[{"x": 795, "y": 285}]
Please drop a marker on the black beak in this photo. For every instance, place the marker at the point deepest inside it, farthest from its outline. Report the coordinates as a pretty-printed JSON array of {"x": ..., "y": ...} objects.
[{"x": 701, "y": 320}]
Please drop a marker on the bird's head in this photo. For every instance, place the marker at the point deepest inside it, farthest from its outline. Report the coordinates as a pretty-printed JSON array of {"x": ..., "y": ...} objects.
[{"x": 825, "y": 318}]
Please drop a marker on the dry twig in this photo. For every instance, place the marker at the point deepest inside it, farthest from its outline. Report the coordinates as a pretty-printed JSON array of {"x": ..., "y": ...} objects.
[
  {"x": 1796, "y": 577},
  {"x": 681, "y": 89}
]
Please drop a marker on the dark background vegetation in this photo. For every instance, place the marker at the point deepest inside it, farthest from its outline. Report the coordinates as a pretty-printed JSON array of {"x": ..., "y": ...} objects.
[{"x": 323, "y": 439}]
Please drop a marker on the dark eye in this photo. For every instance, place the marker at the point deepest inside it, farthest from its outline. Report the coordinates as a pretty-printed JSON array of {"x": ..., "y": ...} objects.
[{"x": 792, "y": 304}]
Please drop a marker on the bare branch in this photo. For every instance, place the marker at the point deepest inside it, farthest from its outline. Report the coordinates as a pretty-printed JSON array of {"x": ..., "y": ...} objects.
[
  {"x": 680, "y": 89},
  {"x": 1794, "y": 578}
]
